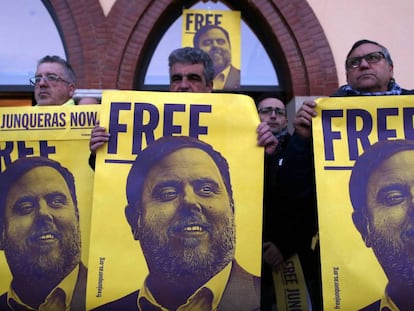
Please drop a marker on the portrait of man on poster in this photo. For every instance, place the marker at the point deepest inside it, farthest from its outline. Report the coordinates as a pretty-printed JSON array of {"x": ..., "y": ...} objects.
[
  {"x": 381, "y": 189},
  {"x": 181, "y": 210},
  {"x": 40, "y": 237},
  {"x": 215, "y": 41}
]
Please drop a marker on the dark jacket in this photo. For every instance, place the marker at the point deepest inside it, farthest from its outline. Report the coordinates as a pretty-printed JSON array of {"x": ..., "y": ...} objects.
[
  {"x": 242, "y": 293},
  {"x": 290, "y": 214}
]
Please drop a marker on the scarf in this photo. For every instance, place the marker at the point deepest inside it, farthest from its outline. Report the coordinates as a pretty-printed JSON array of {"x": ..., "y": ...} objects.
[{"x": 346, "y": 90}]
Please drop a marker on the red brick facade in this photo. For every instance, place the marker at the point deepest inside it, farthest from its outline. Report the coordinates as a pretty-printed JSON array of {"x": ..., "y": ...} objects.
[{"x": 105, "y": 50}]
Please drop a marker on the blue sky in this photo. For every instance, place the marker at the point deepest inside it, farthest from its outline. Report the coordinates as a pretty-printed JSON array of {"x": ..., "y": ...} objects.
[{"x": 27, "y": 33}]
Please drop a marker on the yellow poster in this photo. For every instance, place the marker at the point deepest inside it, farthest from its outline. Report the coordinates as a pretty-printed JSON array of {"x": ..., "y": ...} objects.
[
  {"x": 218, "y": 34},
  {"x": 177, "y": 203},
  {"x": 46, "y": 199},
  {"x": 364, "y": 156}
]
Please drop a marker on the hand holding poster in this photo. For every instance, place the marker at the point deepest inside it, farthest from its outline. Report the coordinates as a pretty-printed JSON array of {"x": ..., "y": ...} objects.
[
  {"x": 364, "y": 153},
  {"x": 177, "y": 203}
]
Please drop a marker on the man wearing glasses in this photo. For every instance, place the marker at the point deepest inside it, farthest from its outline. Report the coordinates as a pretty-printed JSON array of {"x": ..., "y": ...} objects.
[
  {"x": 54, "y": 82},
  {"x": 272, "y": 113},
  {"x": 369, "y": 72},
  {"x": 289, "y": 223}
]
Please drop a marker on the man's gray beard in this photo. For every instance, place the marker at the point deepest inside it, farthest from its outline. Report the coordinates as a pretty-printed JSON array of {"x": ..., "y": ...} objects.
[
  {"x": 394, "y": 259},
  {"x": 43, "y": 268},
  {"x": 188, "y": 266}
]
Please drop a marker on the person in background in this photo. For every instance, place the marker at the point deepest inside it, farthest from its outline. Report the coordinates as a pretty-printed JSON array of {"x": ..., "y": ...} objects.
[
  {"x": 54, "y": 82},
  {"x": 369, "y": 72},
  {"x": 215, "y": 41},
  {"x": 190, "y": 70},
  {"x": 289, "y": 223},
  {"x": 272, "y": 113}
]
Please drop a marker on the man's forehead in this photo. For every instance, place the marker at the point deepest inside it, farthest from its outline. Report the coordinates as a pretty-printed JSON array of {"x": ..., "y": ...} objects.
[
  {"x": 215, "y": 33},
  {"x": 42, "y": 174},
  {"x": 38, "y": 181},
  {"x": 271, "y": 102},
  {"x": 185, "y": 69},
  {"x": 50, "y": 68},
  {"x": 364, "y": 49},
  {"x": 185, "y": 162},
  {"x": 397, "y": 161},
  {"x": 188, "y": 156}
]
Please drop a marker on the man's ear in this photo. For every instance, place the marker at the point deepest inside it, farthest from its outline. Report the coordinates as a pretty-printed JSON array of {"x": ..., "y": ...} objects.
[
  {"x": 361, "y": 222},
  {"x": 134, "y": 220},
  {"x": 72, "y": 89}
]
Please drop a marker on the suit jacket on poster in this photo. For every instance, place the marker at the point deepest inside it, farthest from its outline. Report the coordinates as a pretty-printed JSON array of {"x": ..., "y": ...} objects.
[
  {"x": 79, "y": 295},
  {"x": 242, "y": 293},
  {"x": 233, "y": 79},
  {"x": 375, "y": 306}
]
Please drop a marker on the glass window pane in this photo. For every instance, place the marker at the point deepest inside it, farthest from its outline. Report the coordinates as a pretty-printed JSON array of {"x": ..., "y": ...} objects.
[
  {"x": 27, "y": 33},
  {"x": 256, "y": 67}
]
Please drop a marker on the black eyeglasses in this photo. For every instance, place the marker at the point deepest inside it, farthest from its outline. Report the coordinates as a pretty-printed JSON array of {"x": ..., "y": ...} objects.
[
  {"x": 269, "y": 111},
  {"x": 52, "y": 78},
  {"x": 371, "y": 58}
]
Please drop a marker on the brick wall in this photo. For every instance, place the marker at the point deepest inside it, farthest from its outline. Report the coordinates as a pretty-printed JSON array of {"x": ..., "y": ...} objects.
[{"x": 105, "y": 50}]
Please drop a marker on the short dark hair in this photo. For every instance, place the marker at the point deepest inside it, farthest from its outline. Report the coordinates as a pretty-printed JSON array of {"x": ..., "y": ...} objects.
[
  {"x": 21, "y": 166},
  {"x": 189, "y": 55},
  {"x": 71, "y": 77},
  {"x": 153, "y": 154},
  {"x": 367, "y": 163},
  {"x": 264, "y": 96},
  {"x": 384, "y": 50},
  {"x": 206, "y": 28}
]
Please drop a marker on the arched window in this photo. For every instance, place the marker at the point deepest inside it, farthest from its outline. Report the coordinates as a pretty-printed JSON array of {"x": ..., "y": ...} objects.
[{"x": 257, "y": 71}]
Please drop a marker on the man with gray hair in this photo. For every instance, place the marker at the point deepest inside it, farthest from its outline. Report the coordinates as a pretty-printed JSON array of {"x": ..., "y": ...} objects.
[
  {"x": 369, "y": 72},
  {"x": 54, "y": 82},
  {"x": 191, "y": 70}
]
